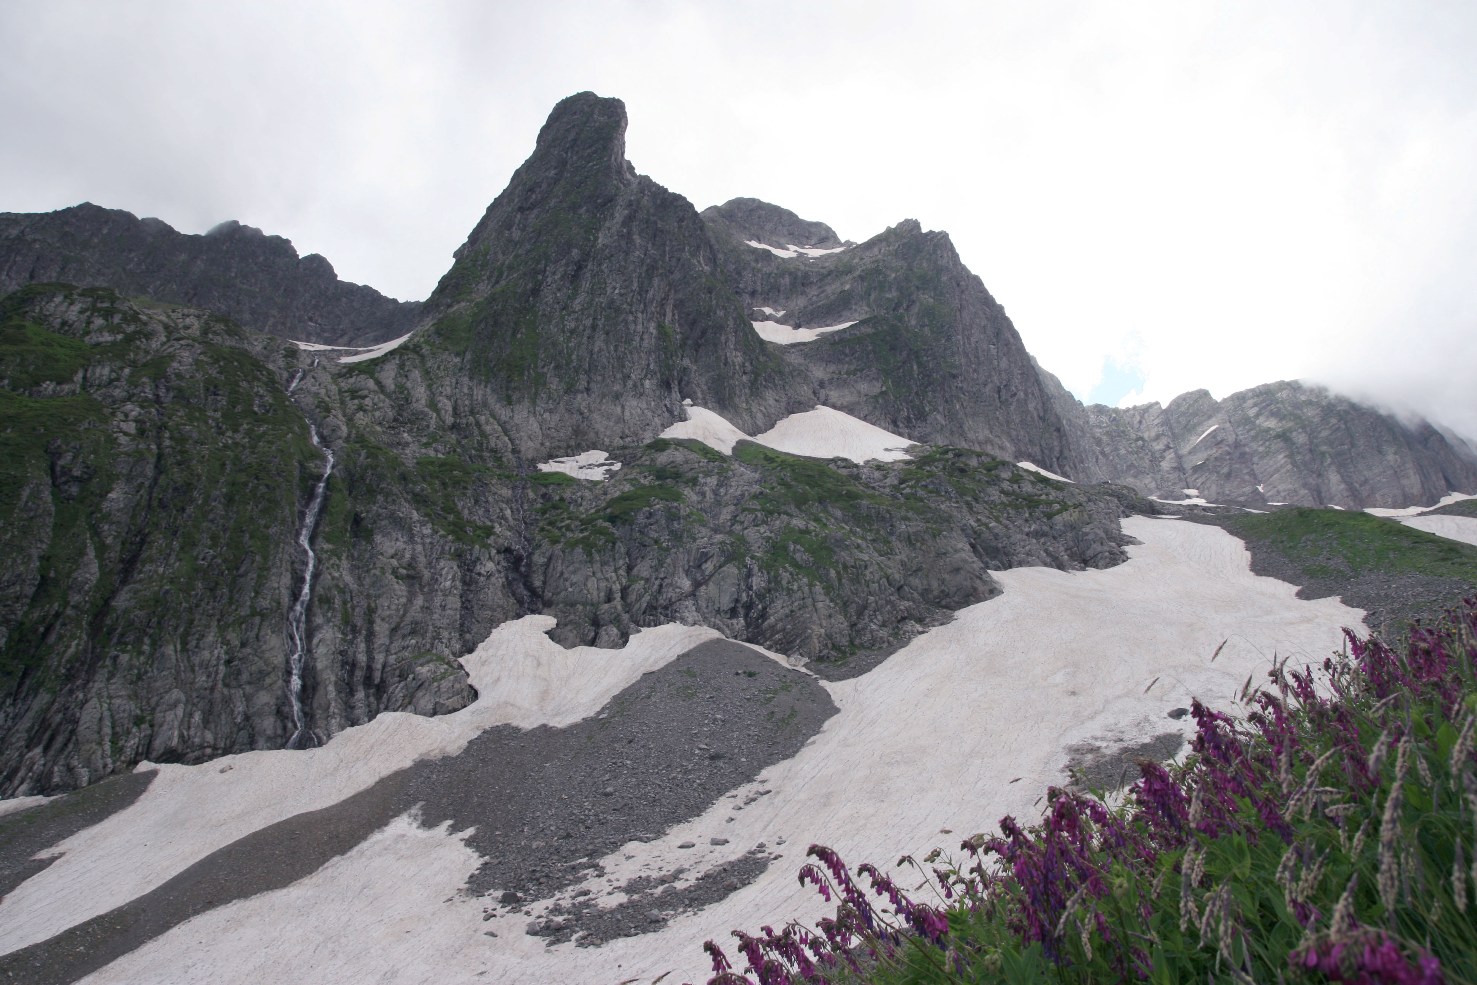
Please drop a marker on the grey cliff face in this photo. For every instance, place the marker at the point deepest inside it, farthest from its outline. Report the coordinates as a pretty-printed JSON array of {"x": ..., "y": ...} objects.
[
  {"x": 1284, "y": 442},
  {"x": 750, "y": 220},
  {"x": 155, "y": 477},
  {"x": 932, "y": 355},
  {"x": 589, "y": 300},
  {"x": 237, "y": 271}
]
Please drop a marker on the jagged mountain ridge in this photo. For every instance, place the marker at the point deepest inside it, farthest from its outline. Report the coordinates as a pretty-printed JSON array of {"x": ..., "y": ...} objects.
[
  {"x": 257, "y": 280},
  {"x": 1284, "y": 442},
  {"x": 583, "y": 309},
  {"x": 934, "y": 356}
]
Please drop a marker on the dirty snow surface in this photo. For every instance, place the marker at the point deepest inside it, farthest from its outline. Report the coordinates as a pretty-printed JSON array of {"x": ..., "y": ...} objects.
[
  {"x": 594, "y": 466},
  {"x": 350, "y": 354},
  {"x": 773, "y": 331},
  {"x": 1058, "y": 660},
  {"x": 1447, "y": 500},
  {"x": 1031, "y": 467},
  {"x": 1462, "y": 528},
  {"x": 819, "y": 433},
  {"x": 790, "y": 251}
]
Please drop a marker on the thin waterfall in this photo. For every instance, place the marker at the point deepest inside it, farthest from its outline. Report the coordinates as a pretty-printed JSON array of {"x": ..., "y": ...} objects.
[{"x": 297, "y": 621}]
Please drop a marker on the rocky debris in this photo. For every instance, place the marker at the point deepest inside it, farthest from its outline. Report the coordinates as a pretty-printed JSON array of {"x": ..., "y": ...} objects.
[
  {"x": 649, "y": 904},
  {"x": 532, "y": 800},
  {"x": 256, "y": 280},
  {"x": 25, "y": 836},
  {"x": 536, "y": 799},
  {"x": 1091, "y": 768}
]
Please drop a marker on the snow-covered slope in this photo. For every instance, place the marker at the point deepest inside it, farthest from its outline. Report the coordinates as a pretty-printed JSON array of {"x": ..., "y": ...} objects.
[
  {"x": 818, "y": 433},
  {"x": 1009, "y": 694}
]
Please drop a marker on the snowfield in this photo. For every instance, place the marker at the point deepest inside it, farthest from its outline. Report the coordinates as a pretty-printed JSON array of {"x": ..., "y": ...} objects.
[
  {"x": 354, "y": 354},
  {"x": 1447, "y": 500},
  {"x": 593, "y": 466},
  {"x": 819, "y": 433},
  {"x": 1462, "y": 528},
  {"x": 773, "y": 331},
  {"x": 1009, "y": 686},
  {"x": 1032, "y": 467},
  {"x": 790, "y": 251}
]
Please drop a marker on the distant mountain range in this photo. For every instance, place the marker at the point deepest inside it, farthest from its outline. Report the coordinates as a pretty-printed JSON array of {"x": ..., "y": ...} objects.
[{"x": 163, "y": 445}]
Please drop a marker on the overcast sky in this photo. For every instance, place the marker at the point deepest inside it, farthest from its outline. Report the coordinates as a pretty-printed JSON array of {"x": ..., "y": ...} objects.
[{"x": 1162, "y": 195}]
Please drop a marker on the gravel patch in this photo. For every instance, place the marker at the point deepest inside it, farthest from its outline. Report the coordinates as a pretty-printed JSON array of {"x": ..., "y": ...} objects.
[
  {"x": 1093, "y": 769},
  {"x": 30, "y": 832},
  {"x": 542, "y": 803}
]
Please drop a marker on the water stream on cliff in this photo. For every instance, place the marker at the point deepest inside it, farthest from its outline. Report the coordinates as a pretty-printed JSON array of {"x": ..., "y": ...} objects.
[{"x": 297, "y": 620}]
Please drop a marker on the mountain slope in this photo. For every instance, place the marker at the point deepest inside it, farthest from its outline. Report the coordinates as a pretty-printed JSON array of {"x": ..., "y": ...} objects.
[
  {"x": 927, "y": 353},
  {"x": 237, "y": 271},
  {"x": 588, "y": 299},
  {"x": 1284, "y": 442}
]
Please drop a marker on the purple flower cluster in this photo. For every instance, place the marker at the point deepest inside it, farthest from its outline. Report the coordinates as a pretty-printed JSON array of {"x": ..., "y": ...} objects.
[{"x": 1369, "y": 958}]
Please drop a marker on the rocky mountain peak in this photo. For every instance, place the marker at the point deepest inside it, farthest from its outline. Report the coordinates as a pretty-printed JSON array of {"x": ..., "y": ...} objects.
[
  {"x": 752, "y": 220},
  {"x": 588, "y": 281}
]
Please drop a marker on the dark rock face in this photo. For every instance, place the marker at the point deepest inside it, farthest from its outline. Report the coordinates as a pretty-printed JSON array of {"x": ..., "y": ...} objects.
[
  {"x": 932, "y": 356},
  {"x": 153, "y": 483},
  {"x": 588, "y": 301},
  {"x": 750, "y": 220},
  {"x": 234, "y": 270},
  {"x": 1283, "y": 442}
]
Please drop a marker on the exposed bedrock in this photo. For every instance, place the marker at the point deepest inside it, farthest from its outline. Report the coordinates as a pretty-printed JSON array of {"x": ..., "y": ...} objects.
[{"x": 237, "y": 271}]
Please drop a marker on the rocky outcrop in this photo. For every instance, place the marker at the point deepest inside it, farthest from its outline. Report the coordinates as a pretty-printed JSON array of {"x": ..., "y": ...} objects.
[
  {"x": 1284, "y": 442},
  {"x": 237, "y": 271},
  {"x": 589, "y": 301},
  {"x": 931, "y": 355},
  {"x": 748, "y": 220},
  {"x": 154, "y": 478}
]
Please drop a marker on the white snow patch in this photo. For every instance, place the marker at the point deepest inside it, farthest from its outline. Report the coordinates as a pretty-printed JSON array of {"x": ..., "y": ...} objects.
[
  {"x": 594, "y": 466},
  {"x": 816, "y": 251},
  {"x": 1446, "y": 500},
  {"x": 773, "y": 331},
  {"x": 828, "y": 433},
  {"x": 1203, "y": 436},
  {"x": 374, "y": 352},
  {"x": 1190, "y": 492},
  {"x": 711, "y": 429},
  {"x": 1188, "y": 501},
  {"x": 1462, "y": 528},
  {"x": 771, "y": 312},
  {"x": 522, "y": 677},
  {"x": 1010, "y": 682},
  {"x": 14, "y": 804},
  {"x": 1334, "y": 506},
  {"x": 787, "y": 254},
  {"x": 819, "y": 433},
  {"x": 355, "y": 354},
  {"x": 1040, "y": 471},
  {"x": 789, "y": 251}
]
